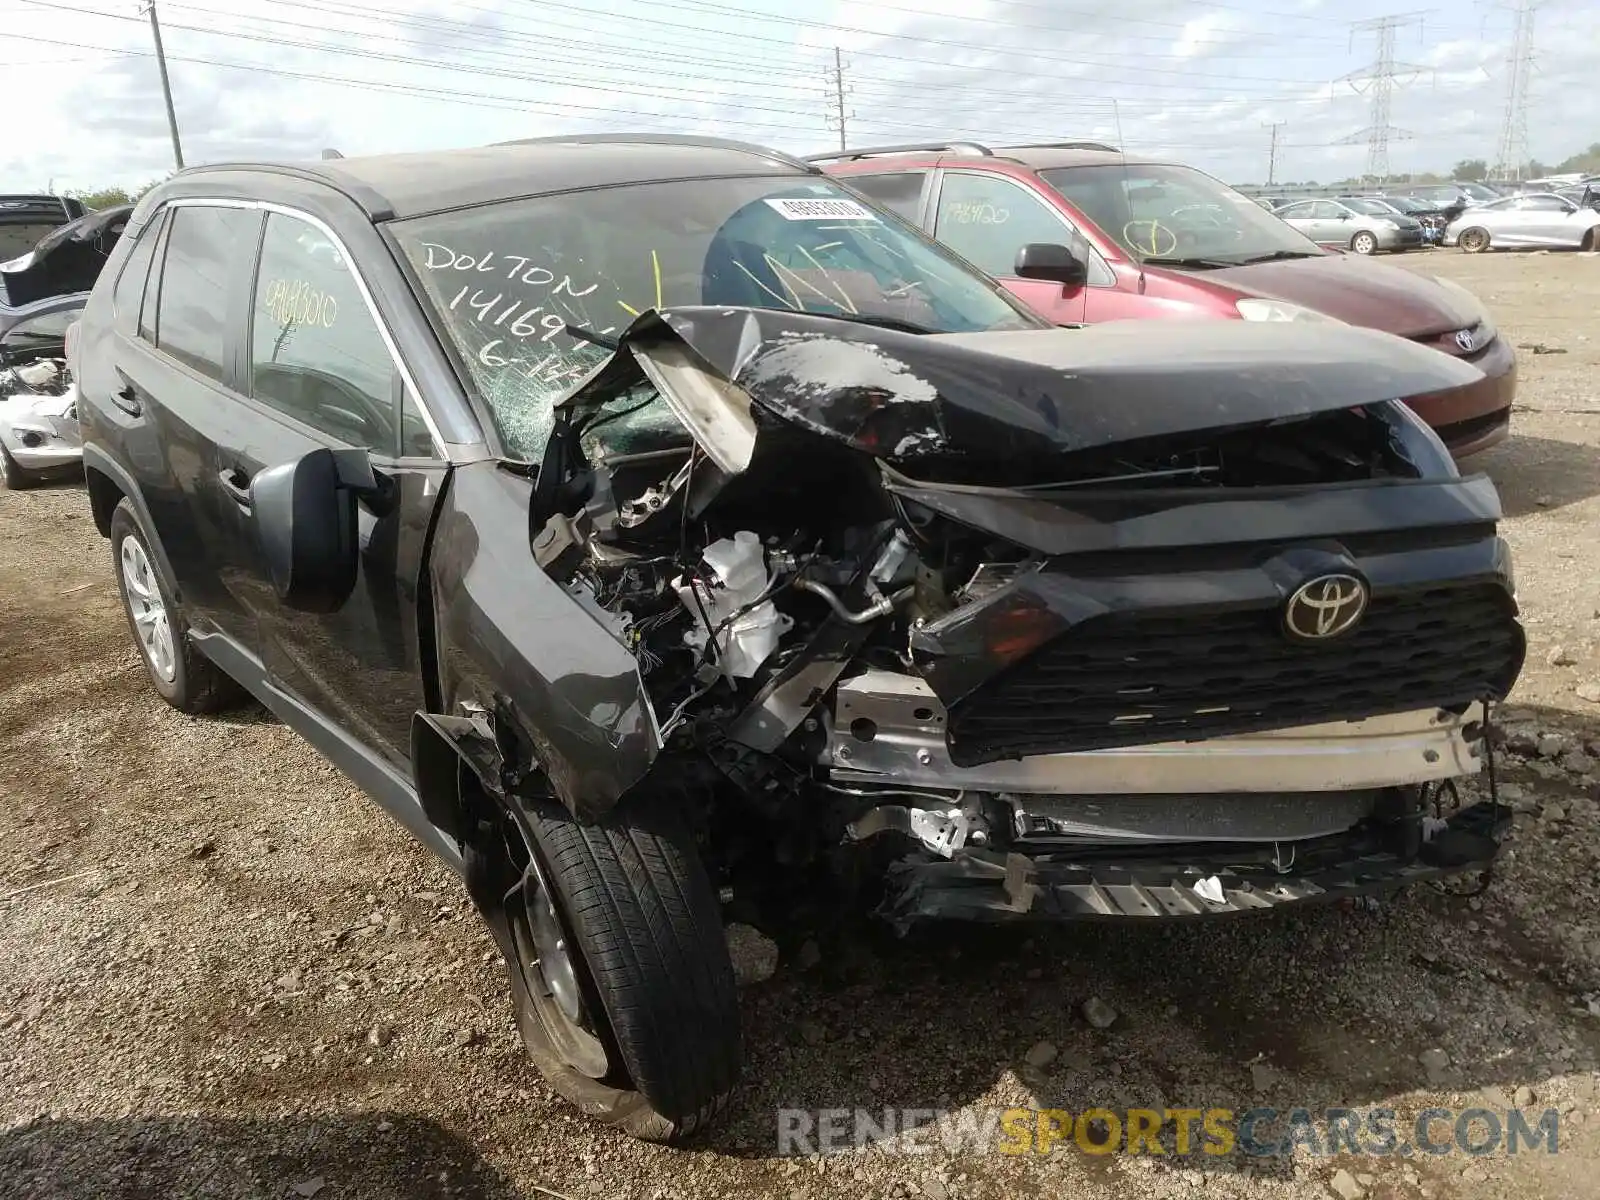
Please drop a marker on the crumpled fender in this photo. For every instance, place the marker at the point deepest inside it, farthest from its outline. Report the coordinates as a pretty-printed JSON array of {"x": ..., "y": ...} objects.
[{"x": 564, "y": 691}]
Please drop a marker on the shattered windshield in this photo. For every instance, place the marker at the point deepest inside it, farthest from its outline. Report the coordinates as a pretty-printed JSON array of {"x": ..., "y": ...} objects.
[
  {"x": 505, "y": 279},
  {"x": 1159, "y": 211}
]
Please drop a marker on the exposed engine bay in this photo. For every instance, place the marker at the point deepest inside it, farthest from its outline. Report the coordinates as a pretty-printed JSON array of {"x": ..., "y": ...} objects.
[{"x": 938, "y": 588}]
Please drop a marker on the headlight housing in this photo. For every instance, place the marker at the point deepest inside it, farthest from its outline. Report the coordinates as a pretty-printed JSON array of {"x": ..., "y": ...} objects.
[{"x": 1256, "y": 308}]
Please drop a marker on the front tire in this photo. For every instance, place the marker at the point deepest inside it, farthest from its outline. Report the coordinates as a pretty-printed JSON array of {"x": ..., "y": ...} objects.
[
  {"x": 1474, "y": 240},
  {"x": 184, "y": 677},
  {"x": 624, "y": 989},
  {"x": 1364, "y": 243},
  {"x": 11, "y": 475}
]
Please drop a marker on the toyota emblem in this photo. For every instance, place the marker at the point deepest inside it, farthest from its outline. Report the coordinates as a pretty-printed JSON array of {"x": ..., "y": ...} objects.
[
  {"x": 1465, "y": 340},
  {"x": 1325, "y": 607}
]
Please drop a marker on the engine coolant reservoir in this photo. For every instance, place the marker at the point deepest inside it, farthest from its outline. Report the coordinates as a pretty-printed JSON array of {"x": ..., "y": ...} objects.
[{"x": 748, "y": 628}]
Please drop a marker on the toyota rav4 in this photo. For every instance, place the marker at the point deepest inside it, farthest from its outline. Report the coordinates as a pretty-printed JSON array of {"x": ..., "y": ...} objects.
[{"x": 667, "y": 537}]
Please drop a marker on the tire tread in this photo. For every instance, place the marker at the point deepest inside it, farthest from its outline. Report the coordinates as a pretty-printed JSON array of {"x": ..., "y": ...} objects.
[{"x": 651, "y": 928}]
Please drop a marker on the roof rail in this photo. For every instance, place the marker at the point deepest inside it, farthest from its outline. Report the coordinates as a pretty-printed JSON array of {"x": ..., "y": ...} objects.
[
  {"x": 1067, "y": 146},
  {"x": 908, "y": 148},
  {"x": 665, "y": 139}
]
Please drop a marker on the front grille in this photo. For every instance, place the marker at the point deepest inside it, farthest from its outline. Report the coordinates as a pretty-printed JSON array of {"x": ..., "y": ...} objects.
[
  {"x": 1446, "y": 342},
  {"x": 1135, "y": 679}
]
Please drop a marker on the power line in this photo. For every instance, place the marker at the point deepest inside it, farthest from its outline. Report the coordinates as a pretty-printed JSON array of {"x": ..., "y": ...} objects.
[
  {"x": 1513, "y": 154},
  {"x": 1272, "y": 151},
  {"x": 1379, "y": 79}
]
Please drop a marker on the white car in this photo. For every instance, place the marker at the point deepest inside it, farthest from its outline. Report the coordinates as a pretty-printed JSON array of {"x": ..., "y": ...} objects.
[
  {"x": 1536, "y": 220},
  {"x": 39, "y": 432}
]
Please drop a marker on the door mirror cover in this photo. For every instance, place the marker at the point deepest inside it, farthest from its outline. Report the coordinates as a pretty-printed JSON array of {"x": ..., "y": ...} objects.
[
  {"x": 305, "y": 518},
  {"x": 1052, "y": 262}
]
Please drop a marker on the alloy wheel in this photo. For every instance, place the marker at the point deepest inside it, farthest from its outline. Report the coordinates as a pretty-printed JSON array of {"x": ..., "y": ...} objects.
[
  {"x": 552, "y": 971},
  {"x": 148, "y": 609}
]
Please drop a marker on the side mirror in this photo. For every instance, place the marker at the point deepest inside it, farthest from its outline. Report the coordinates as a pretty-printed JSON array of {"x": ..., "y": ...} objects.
[
  {"x": 1052, "y": 262},
  {"x": 1344, "y": 216},
  {"x": 305, "y": 516}
]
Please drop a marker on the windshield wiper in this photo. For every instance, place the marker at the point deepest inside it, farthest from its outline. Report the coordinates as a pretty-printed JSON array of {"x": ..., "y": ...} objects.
[
  {"x": 588, "y": 335},
  {"x": 1202, "y": 263},
  {"x": 1279, "y": 256}
]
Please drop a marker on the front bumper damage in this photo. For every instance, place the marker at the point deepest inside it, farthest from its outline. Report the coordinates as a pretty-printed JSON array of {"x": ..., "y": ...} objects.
[
  {"x": 1099, "y": 689},
  {"x": 976, "y": 884}
]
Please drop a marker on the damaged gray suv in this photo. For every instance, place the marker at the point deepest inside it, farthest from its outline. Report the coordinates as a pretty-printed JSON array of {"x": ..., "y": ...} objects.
[{"x": 666, "y": 536}]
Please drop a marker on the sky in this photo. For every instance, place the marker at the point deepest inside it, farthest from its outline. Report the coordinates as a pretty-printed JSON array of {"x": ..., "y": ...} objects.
[{"x": 1196, "y": 82}]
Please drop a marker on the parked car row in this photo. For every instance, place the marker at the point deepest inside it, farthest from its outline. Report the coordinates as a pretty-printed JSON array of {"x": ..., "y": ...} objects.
[
  {"x": 1364, "y": 225},
  {"x": 669, "y": 534},
  {"x": 1089, "y": 235}
]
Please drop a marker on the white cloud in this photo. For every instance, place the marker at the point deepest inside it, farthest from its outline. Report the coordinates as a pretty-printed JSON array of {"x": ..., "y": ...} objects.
[{"x": 1203, "y": 33}]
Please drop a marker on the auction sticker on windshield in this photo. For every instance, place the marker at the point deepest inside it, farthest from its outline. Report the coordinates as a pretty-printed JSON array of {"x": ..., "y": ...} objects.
[{"x": 821, "y": 210}]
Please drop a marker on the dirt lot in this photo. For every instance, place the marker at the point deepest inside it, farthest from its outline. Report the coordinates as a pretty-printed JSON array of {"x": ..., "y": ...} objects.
[{"x": 223, "y": 972}]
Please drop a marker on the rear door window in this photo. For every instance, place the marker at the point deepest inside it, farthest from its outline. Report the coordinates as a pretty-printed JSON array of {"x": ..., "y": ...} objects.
[
  {"x": 315, "y": 350},
  {"x": 202, "y": 260},
  {"x": 898, "y": 191},
  {"x": 128, "y": 298}
]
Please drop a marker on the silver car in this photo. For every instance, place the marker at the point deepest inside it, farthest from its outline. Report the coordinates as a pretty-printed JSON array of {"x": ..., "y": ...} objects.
[
  {"x": 39, "y": 432},
  {"x": 1537, "y": 220},
  {"x": 1364, "y": 226}
]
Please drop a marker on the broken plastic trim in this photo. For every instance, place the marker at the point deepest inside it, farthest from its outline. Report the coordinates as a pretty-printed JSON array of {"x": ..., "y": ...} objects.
[{"x": 980, "y": 885}]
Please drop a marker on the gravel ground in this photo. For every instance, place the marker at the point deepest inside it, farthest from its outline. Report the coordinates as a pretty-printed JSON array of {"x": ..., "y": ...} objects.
[{"x": 223, "y": 972}]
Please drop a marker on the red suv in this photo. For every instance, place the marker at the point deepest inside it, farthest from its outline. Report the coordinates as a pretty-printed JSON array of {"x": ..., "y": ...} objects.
[{"x": 1083, "y": 233}]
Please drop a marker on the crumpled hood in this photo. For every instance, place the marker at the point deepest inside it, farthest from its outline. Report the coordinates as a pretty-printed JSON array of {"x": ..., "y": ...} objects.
[
  {"x": 1355, "y": 289},
  {"x": 1028, "y": 395}
]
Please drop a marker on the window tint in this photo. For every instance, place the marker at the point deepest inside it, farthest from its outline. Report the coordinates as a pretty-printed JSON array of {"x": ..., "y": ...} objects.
[
  {"x": 900, "y": 192},
  {"x": 130, "y": 290},
  {"x": 200, "y": 261},
  {"x": 315, "y": 351},
  {"x": 986, "y": 220}
]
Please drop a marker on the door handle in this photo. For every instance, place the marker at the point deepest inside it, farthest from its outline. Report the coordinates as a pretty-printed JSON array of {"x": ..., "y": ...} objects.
[
  {"x": 126, "y": 397},
  {"x": 237, "y": 484}
]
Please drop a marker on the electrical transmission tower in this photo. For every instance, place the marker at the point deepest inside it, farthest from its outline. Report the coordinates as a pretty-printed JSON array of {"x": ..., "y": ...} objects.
[
  {"x": 1380, "y": 78},
  {"x": 1272, "y": 151},
  {"x": 1513, "y": 153},
  {"x": 837, "y": 91}
]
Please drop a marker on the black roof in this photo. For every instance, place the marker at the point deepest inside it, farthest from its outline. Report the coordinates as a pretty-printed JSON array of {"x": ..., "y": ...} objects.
[{"x": 395, "y": 186}]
